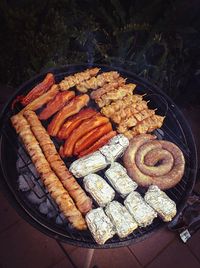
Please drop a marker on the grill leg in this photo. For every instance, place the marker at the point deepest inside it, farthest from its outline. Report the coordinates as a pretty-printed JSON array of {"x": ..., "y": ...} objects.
[{"x": 88, "y": 259}]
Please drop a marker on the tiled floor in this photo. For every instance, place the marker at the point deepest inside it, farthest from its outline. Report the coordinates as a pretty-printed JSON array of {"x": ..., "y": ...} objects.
[{"x": 23, "y": 246}]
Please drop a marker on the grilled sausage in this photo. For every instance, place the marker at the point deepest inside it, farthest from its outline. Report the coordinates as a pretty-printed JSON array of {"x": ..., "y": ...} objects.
[
  {"x": 50, "y": 180},
  {"x": 143, "y": 155},
  {"x": 82, "y": 201}
]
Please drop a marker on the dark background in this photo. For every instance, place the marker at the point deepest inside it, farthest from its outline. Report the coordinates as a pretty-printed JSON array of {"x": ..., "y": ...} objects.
[{"x": 159, "y": 40}]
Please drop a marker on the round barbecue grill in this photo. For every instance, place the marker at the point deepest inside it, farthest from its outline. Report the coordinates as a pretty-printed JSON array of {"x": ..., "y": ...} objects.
[{"x": 174, "y": 129}]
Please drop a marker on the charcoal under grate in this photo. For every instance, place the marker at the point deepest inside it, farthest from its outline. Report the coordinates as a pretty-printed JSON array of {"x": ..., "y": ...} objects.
[{"x": 22, "y": 182}]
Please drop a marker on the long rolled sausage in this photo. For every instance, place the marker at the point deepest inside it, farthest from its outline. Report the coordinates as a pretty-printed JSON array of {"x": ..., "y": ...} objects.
[
  {"x": 82, "y": 201},
  {"x": 149, "y": 161},
  {"x": 49, "y": 178}
]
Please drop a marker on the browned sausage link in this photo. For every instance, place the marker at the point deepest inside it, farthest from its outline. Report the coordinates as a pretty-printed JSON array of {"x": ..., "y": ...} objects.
[
  {"x": 175, "y": 175},
  {"x": 129, "y": 159},
  {"x": 155, "y": 149},
  {"x": 143, "y": 154}
]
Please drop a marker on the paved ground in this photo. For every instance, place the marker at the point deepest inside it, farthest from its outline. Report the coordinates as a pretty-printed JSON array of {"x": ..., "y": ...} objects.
[{"x": 23, "y": 246}]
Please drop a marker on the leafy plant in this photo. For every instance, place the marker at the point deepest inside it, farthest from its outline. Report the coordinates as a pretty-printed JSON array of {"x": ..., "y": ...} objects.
[{"x": 155, "y": 39}]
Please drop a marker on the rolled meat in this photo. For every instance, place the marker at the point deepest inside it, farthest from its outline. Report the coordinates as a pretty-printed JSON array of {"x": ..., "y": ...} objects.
[
  {"x": 149, "y": 161},
  {"x": 50, "y": 180},
  {"x": 82, "y": 201}
]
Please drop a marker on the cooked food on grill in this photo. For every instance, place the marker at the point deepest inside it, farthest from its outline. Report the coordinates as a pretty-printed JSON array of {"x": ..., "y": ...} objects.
[
  {"x": 100, "y": 225},
  {"x": 39, "y": 89},
  {"x": 91, "y": 137},
  {"x": 161, "y": 203},
  {"x": 121, "y": 218},
  {"x": 50, "y": 180},
  {"x": 73, "y": 122},
  {"x": 149, "y": 161},
  {"x": 96, "y": 95},
  {"x": 139, "y": 209},
  {"x": 115, "y": 94},
  {"x": 134, "y": 120},
  {"x": 98, "y": 81},
  {"x": 96, "y": 137},
  {"x": 42, "y": 100},
  {"x": 88, "y": 164},
  {"x": 98, "y": 144},
  {"x": 77, "y": 78},
  {"x": 118, "y": 116},
  {"x": 73, "y": 107},
  {"x": 132, "y": 115},
  {"x": 119, "y": 179},
  {"x": 115, "y": 148},
  {"x": 122, "y": 107},
  {"x": 82, "y": 201},
  {"x": 99, "y": 189},
  {"x": 56, "y": 104},
  {"x": 98, "y": 160},
  {"x": 80, "y": 131},
  {"x": 146, "y": 126}
]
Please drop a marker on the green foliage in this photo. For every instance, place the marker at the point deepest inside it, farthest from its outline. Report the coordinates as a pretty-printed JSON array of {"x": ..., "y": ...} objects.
[{"x": 155, "y": 39}]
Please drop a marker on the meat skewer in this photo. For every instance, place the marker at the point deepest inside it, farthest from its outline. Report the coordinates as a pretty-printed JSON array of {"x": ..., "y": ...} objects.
[
  {"x": 73, "y": 107},
  {"x": 125, "y": 113},
  {"x": 116, "y": 94},
  {"x": 73, "y": 80},
  {"x": 121, "y": 105},
  {"x": 135, "y": 120},
  {"x": 145, "y": 126},
  {"x": 56, "y": 104},
  {"x": 96, "y": 95},
  {"x": 96, "y": 82},
  {"x": 50, "y": 180}
]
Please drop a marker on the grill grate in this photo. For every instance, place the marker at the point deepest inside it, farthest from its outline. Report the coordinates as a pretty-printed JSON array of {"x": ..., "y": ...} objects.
[{"x": 174, "y": 129}]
